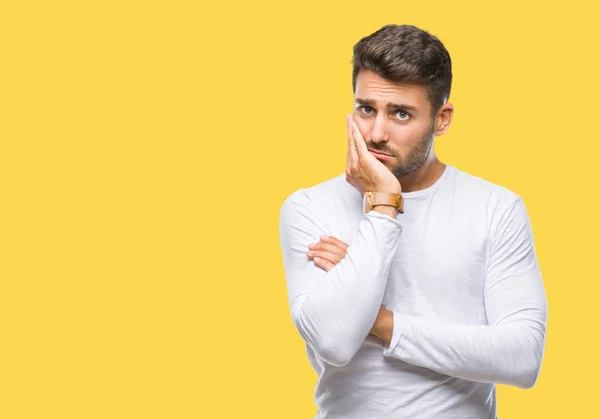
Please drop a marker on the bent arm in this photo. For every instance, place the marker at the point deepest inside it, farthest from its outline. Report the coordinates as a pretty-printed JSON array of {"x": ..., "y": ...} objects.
[
  {"x": 334, "y": 311},
  {"x": 509, "y": 349}
]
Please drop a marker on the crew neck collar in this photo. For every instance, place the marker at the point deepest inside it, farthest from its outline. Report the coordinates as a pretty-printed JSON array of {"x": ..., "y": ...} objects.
[
  {"x": 432, "y": 187},
  {"x": 415, "y": 194}
]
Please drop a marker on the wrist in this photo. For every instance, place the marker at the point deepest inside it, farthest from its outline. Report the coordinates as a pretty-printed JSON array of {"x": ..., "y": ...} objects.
[
  {"x": 384, "y": 202},
  {"x": 386, "y": 210},
  {"x": 396, "y": 189},
  {"x": 384, "y": 326}
]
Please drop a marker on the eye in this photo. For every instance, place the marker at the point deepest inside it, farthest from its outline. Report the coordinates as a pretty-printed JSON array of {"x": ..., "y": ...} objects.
[
  {"x": 363, "y": 108},
  {"x": 403, "y": 115}
]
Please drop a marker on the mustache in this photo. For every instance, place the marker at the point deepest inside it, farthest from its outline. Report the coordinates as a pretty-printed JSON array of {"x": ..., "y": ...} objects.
[{"x": 376, "y": 147}]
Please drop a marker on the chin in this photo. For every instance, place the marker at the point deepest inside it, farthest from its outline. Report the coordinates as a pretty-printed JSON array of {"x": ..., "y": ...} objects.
[{"x": 401, "y": 172}]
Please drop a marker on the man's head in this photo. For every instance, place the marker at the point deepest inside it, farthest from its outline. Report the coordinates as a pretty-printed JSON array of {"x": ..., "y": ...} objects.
[{"x": 401, "y": 80}]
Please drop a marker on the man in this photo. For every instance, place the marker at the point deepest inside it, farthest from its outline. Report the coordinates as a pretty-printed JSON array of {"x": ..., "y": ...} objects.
[{"x": 416, "y": 300}]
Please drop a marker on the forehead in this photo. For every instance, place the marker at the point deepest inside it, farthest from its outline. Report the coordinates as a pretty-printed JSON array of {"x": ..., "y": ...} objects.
[{"x": 370, "y": 86}]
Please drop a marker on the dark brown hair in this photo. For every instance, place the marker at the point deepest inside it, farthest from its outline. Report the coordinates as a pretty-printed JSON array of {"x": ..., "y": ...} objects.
[{"x": 406, "y": 54}]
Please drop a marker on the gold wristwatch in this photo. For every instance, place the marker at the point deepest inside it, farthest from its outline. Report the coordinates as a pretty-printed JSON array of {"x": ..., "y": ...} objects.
[{"x": 395, "y": 200}]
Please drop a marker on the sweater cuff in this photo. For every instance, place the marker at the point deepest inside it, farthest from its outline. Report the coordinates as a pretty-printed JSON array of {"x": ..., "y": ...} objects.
[
  {"x": 375, "y": 214},
  {"x": 396, "y": 334}
]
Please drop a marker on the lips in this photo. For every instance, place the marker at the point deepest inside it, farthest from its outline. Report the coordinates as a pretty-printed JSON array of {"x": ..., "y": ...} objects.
[{"x": 379, "y": 153}]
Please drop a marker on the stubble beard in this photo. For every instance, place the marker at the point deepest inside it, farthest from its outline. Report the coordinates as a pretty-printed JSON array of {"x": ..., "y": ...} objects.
[{"x": 416, "y": 157}]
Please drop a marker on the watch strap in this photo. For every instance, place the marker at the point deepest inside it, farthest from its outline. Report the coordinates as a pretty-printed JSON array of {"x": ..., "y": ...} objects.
[{"x": 386, "y": 198}]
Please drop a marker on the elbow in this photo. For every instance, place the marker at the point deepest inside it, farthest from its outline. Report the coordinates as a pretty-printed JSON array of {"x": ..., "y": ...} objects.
[
  {"x": 331, "y": 353},
  {"x": 527, "y": 374},
  {"x": 528, "y": 377},
  {"x": 327, "y": 346}
]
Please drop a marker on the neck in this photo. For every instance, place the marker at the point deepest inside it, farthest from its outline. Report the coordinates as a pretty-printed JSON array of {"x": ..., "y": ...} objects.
[{"x": 423, "y": 177}]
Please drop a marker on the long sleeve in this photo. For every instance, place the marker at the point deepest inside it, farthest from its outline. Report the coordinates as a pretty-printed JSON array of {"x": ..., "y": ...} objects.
[
  {"x": 509, "y": 349},
  {"x": 334, "y": 311}
]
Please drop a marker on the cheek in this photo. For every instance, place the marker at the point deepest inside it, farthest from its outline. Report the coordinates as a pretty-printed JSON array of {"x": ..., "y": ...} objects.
[
  {"x": 405, "y": 137},
  {"x": 363, "y": 126}
]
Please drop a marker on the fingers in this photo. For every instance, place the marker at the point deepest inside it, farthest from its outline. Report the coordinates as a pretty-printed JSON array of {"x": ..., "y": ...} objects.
[
  {"x": 361, "y": 146},
  {"x": 325, "y": 264},
  {"x": 332, "y": 258},
  {"x": 333, "y": 240},
  {"x": 328, "y": 252},
  {"x": 328, "y": 247},
  {"x": 352, "y": 153}
]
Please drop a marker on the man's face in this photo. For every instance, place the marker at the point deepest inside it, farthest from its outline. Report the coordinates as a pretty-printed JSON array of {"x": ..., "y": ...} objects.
[{"x": 394, "y": 119}]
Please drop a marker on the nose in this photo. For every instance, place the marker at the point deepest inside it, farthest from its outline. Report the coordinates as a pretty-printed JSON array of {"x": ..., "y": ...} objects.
[{"x": 377, "y": 132}]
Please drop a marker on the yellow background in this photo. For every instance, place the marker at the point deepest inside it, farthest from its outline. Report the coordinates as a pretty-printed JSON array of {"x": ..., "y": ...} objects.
[{"x": 146, "y": 148}]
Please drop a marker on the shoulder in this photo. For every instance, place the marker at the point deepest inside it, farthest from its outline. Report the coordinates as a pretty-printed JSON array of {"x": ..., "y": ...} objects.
[
  {"x": 317, "y": 208},
  {"x": 502, "y": 208},
  {"x": 319, "y": 195},
  {"x": 492, "y": 196}
]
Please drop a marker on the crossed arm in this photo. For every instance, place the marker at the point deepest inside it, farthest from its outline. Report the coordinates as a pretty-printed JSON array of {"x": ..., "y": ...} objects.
[
  {"x": 508, "y": 350},
  {"x": 335, "y": 310}
]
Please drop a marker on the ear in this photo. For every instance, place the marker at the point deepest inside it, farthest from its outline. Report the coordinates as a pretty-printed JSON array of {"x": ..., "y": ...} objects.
[{"x": 443, "y": 118}]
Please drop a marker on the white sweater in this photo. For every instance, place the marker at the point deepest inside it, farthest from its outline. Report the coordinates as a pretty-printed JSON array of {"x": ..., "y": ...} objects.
[{"x": 459, "y": 271}]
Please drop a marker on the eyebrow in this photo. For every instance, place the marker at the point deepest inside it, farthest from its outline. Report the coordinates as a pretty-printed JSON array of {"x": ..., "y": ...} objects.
[{"x": 389, "y": 106}]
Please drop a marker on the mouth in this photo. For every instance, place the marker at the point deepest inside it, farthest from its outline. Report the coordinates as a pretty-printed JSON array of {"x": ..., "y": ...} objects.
[{"x": 379, "y": 155}]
